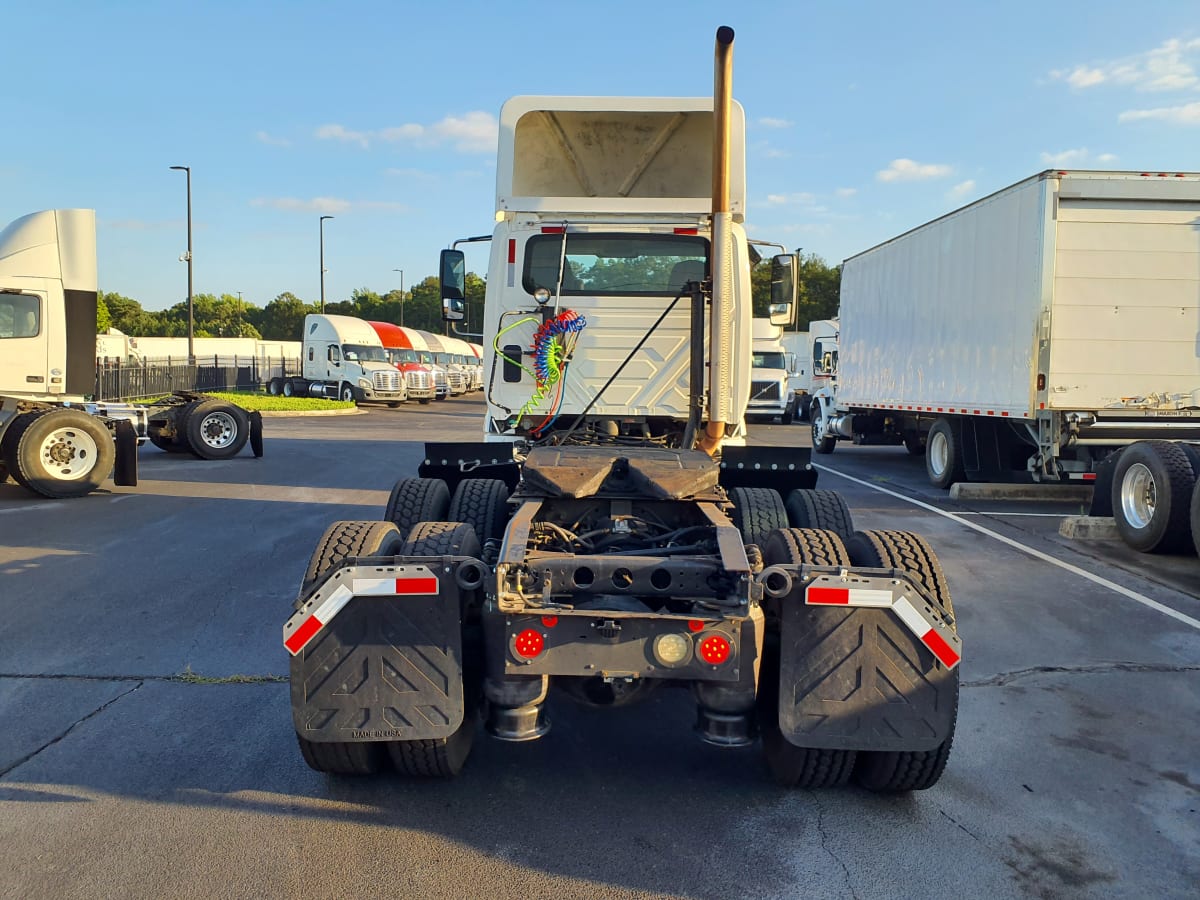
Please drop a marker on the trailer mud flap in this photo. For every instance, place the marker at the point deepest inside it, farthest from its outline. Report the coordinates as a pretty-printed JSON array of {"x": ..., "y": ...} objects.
[
  {"x": 380, "y": 664},
  {"x": 125, "y": 472},
  {"x": 859, "y": 679},
  {"x": 256, "y": 437}
]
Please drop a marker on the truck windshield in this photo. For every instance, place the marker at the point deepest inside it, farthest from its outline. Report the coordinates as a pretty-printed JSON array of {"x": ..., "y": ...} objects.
[
  {"x": 770, "y": 360},
  {"x": 364, "y": 353},
  {"x": 615, "y": 265},
  {"x": 402, "y": 355}
]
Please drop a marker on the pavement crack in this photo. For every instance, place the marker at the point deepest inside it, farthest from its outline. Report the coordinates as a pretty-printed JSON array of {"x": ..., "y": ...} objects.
[
  {"x": 187, "y": 676},
  {"x": 54, "y": 740},
  {"x": 961, "y": 826},
  {"x": 1099, "y": 669},
  {"x": 825, "y": 844}
]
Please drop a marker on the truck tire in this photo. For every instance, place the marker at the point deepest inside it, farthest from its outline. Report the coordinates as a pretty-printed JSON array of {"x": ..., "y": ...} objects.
[
  {"x": 416, "y": 500},
  {"x": 290, "y": 388},
  {"x": 59, "y": 453},
  {"x": 346, "y": 540},
  {"x": 1151, "y": 496},
  {"x": 943, "y": 454},
  {"x": 819, "y": 509},
  {"x": 1195, "y": 515},
  {"x": 444, "y": 757},
  {"x": 342, "y": 757},
  {"x": 913, "y": 443},
  {"x": 275, "y": 387},
  {"x": 757, "y": 512},
  {"x": 789, "y": 413},
  {"x": 481, "y": 503},
  {"x": 177, "y": 443},
  {"x": 820, "y": 442},
  {"x": 907, "y": 770},
  {"x": 792, "y": 766},
  {"x": 3, "y": 471},
  {"x": 805, "y": 407},
  {"x": 216, "y": 429},
  {"x": 347, "y": 393}
]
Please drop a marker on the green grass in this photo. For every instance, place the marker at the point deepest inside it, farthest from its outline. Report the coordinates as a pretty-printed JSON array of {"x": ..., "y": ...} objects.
[{"x": 264, "y": 402}]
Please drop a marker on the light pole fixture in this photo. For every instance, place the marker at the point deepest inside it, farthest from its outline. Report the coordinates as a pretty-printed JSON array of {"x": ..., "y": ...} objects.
[
  {"x": 401, "y": 271},
  {"x": 187, "y": 170},
  {"x": 323, "y": 218}
]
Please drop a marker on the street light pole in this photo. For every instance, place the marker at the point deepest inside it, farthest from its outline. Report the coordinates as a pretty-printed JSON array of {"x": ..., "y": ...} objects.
[
  {"x": 401, "y": 271},
  {"x": 187, "y": 170},
  {"x": 323, "y": 218}
]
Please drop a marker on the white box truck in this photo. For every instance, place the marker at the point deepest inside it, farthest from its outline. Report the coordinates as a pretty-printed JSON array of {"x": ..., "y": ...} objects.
[
  {"x": 1034, "y": 334},
  {"x": 343, "y": 358},
  {"x": 608, "y": 538}
]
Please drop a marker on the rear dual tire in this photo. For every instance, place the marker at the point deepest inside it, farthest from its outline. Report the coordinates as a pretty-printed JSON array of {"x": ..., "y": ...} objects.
[{"x": 1153, "y": 485}]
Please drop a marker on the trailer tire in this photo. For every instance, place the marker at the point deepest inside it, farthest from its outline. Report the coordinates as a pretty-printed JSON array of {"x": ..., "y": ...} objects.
[
  {"x": 346, "y": 540},
  {"x": 416, "y": 500},
  {"x": 443, "y": 757},
  {"x": 60, "y": 452},
  {"x": 216, "y": 429},
  {"x": 274, "y": 387},
  {"x": 905, "y": 770},
  {"x": 792, "y": 766},
  {"x": 757, "y": 512},
  {"x": 943, "y": 454},
  {"x": 819, "y": 509},
  {"x": 342, "y": 757},
  {"x": 1151, "y": 495},
  {"x": 483, "y": 504},
  {"x": 1195, "y": 516}
]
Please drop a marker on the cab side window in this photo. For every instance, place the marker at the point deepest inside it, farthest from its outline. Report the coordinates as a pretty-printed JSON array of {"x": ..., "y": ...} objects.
[{"x": 20, "y": 315}]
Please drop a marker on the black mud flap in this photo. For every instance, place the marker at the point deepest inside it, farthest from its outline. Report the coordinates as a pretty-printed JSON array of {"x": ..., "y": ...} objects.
[
  {"x": 858, "y": 679},
  {"x": 125, "y": 471},
  {"x": 454, "y": 462},
  {"x": 384, "y": 668},
  {"x": 782, "y": 468},
  {"x": 256, "y": 440}
]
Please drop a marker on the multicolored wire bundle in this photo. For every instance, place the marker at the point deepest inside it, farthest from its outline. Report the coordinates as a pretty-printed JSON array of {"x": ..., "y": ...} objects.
[{"x": 553, "y": 343}]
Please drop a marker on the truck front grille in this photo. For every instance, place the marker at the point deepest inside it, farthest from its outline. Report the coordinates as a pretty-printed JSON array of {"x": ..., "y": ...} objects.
[
  {"x": 386, "y": 380},
  {"x": 418, "y": 381},
  {"x": 764, "y": 390}
]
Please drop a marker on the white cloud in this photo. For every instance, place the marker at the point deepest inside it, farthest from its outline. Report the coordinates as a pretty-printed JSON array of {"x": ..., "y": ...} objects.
[
  {"x": 325, "y": 205},
  {"x": 1079, "y": 156},
  {"x": 265, "y": 138},
  {"x": 801, "y": 199},
  {"x": 473, "y": 132},
  {"x": 776, "y": 153},
  {"x": 846, "y": 192},
  {"x": 1169, "y": 67},
  {"x": 1187, "y": 114},
  {"x": 962, "y": 189},
  {"x": 341, "y": 133},
  {"x": 769, "y": 122},
  {"x": 908, "y": 170}
]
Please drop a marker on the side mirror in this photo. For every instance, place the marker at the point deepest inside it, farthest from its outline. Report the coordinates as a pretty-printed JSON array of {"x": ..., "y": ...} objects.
[
  {"x": 452, "y": 283},
  {"x": 783, "y": 288}
]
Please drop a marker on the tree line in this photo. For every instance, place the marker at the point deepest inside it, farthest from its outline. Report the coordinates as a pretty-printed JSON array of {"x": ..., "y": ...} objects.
[{"x": 227, "y": 315}]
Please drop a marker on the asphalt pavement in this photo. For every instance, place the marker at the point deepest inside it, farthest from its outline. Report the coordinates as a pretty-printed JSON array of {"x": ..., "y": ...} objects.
[{"x": 146, "y": 746}]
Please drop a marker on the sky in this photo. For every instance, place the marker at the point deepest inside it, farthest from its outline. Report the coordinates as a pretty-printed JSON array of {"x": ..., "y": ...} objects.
[{"x": 865, "y": 118}]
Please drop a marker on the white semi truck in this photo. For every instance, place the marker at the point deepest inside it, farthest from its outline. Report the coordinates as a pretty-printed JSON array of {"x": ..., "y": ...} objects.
[
  {"x": 773, "y": 368},
  {"x": 1046, "y": 332},
  {"x": 53, "y": 440},
  {"x": 342, "y": 357},
  {"x": 612, "y": 533}
]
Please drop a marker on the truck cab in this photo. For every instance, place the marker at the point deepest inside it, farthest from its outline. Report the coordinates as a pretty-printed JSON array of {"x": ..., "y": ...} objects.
[
  {"x": 772, "y": 372},
  {"x": 344, "y": 358}
]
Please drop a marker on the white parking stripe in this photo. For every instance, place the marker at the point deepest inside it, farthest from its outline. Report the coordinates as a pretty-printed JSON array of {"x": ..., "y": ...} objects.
[{"x": 1037, "y": 554}]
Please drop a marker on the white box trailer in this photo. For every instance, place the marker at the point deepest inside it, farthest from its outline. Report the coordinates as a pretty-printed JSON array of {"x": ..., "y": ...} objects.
[{"x": 1030, "y": 334}]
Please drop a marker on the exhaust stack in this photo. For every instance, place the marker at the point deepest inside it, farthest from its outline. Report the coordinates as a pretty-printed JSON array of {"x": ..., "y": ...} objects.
[{"x": 720, "y": 342}]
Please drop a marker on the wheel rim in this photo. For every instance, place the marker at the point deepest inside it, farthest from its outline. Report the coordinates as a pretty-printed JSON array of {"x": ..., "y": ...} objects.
[
  {"x": 287, "y": 389},
  {"x": 347, "y": 393},
  {"x": 218, "y": 430},
  {"x": 68, "y": 454},
  {"x": 1139, "y": 496},
  {"x": 938, "y": 449},
  {"x": 816, "y": 430}
]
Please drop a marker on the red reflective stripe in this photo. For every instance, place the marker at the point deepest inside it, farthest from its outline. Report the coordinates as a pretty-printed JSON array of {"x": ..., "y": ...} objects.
[
  {"x": 1089, "y": 476},
  {"x": 687, "y": 231},
  {"x": 553, "y": 229},
  {"x": 427, "y": 585},
  {"x": 512, "y": 251},
  {"x": 303, "y": 634},
  {"x": 940, "y": 648},
  {"x": 832, "y": 596}
]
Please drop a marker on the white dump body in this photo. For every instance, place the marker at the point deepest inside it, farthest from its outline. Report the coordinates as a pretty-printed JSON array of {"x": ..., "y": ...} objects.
[{"x": 1091, "y": 279}]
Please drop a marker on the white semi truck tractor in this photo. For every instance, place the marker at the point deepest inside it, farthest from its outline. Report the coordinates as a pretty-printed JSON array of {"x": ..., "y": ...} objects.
[
  {"x": 343, "y": 358},
  {"x": 53, "y": 440},
  {"x": 612, "y": 533}
]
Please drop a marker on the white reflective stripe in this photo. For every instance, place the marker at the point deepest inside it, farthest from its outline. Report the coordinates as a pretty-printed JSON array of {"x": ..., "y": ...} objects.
[
  {"x": 333, "y": 604},
  {"x": 913, "y": 620},
  {"x": 374, "y": 587},
  {"x": 869, "y": 597}
]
